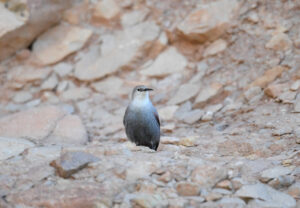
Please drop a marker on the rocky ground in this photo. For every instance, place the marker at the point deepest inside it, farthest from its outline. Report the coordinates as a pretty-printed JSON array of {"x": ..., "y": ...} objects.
[{"x": 226, "y": 76}]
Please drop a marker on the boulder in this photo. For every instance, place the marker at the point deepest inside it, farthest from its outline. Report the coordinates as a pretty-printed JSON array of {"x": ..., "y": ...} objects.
[
  {"x": 59, "y": 42},
  {"x": 26, "y": 21},
  {"x": 209, "y": 21}
]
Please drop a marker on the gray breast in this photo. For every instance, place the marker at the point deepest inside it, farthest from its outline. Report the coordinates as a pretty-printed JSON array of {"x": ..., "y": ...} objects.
[{"x": 142, "y": 127}]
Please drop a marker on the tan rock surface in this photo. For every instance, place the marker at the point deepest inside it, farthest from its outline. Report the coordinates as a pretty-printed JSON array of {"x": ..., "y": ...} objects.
[
  {"x": 184, "y": 93},
  {"x": 76, "y": 93},
  {"x": 59, "y": 42},
  {"x": 117, "y": 51},
  {"x": 38, "y": 17},
  {"x": 170, "y": 61},
  {"x": 279, "y": 41},
  {"x": 215, "y": 47},
  {"x": 106, "y": 9},
  {"x": 269, "y": 76},
  {"x": 34, "y": 123},
  {"x": 187, "y": 189},
  {"x": 208, "y": 93},
  {"x": 69, "y": 130},
  {"x": 209, "y": 21}
]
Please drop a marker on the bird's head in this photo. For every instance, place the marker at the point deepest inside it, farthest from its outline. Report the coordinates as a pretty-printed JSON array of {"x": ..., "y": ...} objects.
[{"x": 140, "y": 93}]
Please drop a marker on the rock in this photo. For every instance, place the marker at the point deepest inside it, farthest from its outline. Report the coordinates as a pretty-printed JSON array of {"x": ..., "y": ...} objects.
[
  {"x": 279, "y": 41},
  {"x": 33, "y": 103},
  {"x": 110, "y": 86},
  {"x": 64, "y": 194},
  {"x": 25, "y": 74},
  {"x": 71, "y": 15},
  {"x": 10, "y": 147},
  {"x": 188, "y": 141},
  {"x": 22, "y": 97},
  {"x": 187, "y": 189},
  {"x": 252, "y": 93},
  {"x": 215, "y": 48},
  {"x": 168, "y": 62},
  {"x": 297, "y": 135},
  {"x": 169, "y": 140},
  {"x": 297, "y": 104},
  {"x": 230, "y": 147},
  {"x": 168, "y": 127},
  {"x": 294, "y": 190},
  {"x": 282, "y": 130},
  {"x": 207, "y": 176},
  {"x": 183, "y": 110},
  {"x": 149, "y": 200},
  {"x": 120, "y": 50},
  {"x": 141, "y": 169},
  {"x": 106, "y": 9},
  {"x": 59, "y": 42},
  {"x": 62, "y": 86},
  {"x": 210, "y": 111},
  {"x": 232, "y": 202},
  {"x": 133, "y": 18},
  {"x": 166, "y": 177},
  {"x": 208, "y": 93},
  {"x": 72, "y": 162},
  {"x": 77, "y": 93},
  {"x": 213, "y": 196},
  {"x": 287, "y": 97},
  {"x": 287, "y": 162},
  {"x": 69, "y": 130},
  {"x": 267, "y": 194},
  {"x": 282, "y": 181},
  {"x": 275, "y": 172},
  {"x": 37, "y": 17},
  {"x": 167, "y": 113},
  {"x": 43, "y": 155},
  {"x": 193, "y": 116},
  {"x": 209, "y": 21},
  {"x": 50, "y": 83},
  {"x": 178, "y": 202},
  {"x": 63, "y": 69},
  {"x": 274, "y": 90},
  {"x": 226, "y": 184},
  {"x": 34, "y": 123},
  {"x": 237, "y": 183},
  {"x": 295, "y": 86},
  {"x": 184, "y": 93},
  {"x": 253, "y": 17},
  {"x": 268, "y": 77}
]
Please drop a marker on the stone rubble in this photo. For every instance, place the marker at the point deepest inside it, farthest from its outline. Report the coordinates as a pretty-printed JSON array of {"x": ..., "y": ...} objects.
[{"x": 226, "y": 80}]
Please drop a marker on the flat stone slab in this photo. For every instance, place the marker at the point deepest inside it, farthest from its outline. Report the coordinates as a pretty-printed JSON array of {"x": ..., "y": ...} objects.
[{"x": 72, "y": 162}]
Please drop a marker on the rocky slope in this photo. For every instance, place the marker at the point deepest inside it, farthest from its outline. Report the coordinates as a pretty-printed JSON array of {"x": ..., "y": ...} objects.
[{"x": 226, "y": 75}]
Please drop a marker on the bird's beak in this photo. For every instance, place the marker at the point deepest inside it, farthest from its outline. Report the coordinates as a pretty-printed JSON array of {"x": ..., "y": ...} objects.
[{"x": 148, "y": 89}]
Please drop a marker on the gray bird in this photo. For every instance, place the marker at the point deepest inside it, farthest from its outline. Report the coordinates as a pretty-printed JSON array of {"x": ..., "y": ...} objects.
[{"x": 141, "y": 119}]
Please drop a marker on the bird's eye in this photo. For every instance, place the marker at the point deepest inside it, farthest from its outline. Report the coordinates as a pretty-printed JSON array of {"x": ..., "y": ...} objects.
[{"x": 139, "y": 89}]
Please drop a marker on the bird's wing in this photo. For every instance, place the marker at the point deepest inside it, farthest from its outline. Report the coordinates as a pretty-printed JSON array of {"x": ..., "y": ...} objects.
[
  {"x": 156, "y": 117},
  {"x": 125, "y": 115}
]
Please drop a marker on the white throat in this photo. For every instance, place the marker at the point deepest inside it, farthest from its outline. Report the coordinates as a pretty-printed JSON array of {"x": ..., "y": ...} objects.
[{"x": 141, "y": 100}]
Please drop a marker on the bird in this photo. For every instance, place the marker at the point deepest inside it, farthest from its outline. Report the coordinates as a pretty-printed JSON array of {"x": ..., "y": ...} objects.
[{"x": 141, "y": 120}]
